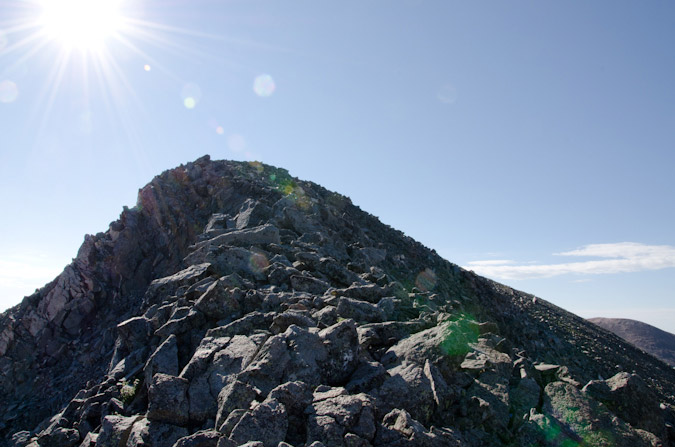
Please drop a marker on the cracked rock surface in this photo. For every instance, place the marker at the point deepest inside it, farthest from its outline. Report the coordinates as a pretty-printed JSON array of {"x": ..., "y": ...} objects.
[{"x": 235, "y": 306}]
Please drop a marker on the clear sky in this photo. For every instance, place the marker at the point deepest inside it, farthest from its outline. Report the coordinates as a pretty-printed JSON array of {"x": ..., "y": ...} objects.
[{"x": 533, "y": 142}]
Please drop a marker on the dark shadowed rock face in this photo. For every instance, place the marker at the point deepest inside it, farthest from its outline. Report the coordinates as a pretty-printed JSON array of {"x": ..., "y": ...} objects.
[
  {"x": 660, "y": 344},
  {"x": 236, "y": 305}
]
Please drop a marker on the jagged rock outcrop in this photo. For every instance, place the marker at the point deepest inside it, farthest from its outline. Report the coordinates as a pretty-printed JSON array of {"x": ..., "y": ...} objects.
[{"x": 236, "y": 305}]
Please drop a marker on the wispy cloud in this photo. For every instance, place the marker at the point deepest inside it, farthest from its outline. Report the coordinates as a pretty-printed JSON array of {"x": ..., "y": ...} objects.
[
  {"x": 492, "y": 262},
  {"x": 620, "y": 257}
]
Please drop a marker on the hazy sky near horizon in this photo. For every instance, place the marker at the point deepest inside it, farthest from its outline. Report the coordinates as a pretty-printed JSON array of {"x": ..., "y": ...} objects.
[{"x": 532, "y": 142}]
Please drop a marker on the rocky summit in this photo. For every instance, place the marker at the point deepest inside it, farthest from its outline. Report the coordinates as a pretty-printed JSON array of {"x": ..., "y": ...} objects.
[{"x": 235, "y": 305}]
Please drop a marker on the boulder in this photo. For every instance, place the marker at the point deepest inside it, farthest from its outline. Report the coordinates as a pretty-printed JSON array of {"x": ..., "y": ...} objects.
[
  {"x": 342, "y": 347},
  {"x": 147, "y": 433},
  {"x": 587, "y": 419},
  {"x": 267, "y": 423},
  {"x": 333, "y": 417},
  {"x": 236, "y": 395},
  {"x": 203, "y": 438},
  {"x": 115, "y": 430},
  {"x": 164, "y": 360},
  {"x": 167, "y": 399}
]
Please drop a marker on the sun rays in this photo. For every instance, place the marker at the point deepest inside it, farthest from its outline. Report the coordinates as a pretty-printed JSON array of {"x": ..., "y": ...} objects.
[
  {"x": 82, "y": 24},
  {"x": 83, "y": 70},
  {"x": 84, "y": 51}
]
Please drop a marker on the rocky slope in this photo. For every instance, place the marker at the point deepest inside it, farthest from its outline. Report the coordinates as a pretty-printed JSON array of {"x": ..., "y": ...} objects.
[
  {"x": 660, "y": 344},
  {"x": 236, "y": 305}
]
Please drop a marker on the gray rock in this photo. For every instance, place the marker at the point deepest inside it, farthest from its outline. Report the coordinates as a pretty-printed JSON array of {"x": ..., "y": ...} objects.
[
  {"x": 280, "y": 274},
  {"x": 524, "y": 397},
  {"x": 388, "y": 307},
  {"x": 326, "y": 317},
  {"x": 282, "y": 321},
  {"x": 342, "y": 345},
  {"x": 493, "y": 389},
  {"x": 367, "y": 376},
  {"x": 309, "y": 284},
  {"x": 231, "y": 360},
  {"x": 337, "y": 272},
  {"x": 89, "y": 440},
  {"x": 203, "y": 355},
  {"x": 202, "y": 404},
  {"x": 219, "y": 221},
  {"x": 115, "y": 430},
  {"x": 267, "y": 368},
  {"x": 164, "y": 360},
  {"x": 365, "y": 292},
  {"x": 444, "y": 345},
  {"x": 352, "y": 440},
  {"x": 295, "y": 396},
  {"x": 167, "y": 399},
  {"x": 378, "y": 335},
  {"x": 226, "y": 259},
  {"x": 268, "y": 423},
  {"x": 236, "y": 395},
  {"x": 326, "y": 429},
  {"x": 203, "y": 438},
  {"x": 410, "y": 389},
  {"x": 634, "y": 402},
  {"x": 588, "y": 419},
  {"x": 399, "y": 429},
  {"x": 146, "y": 433},
  {"x": 168, "y": 285},
  {"x": 548, "y": 372},
  {"x": 178, "y": 326},
  {"x": 134, "y": 332},
  {"x": 60, "y": 437},
  {"x": 232, "y": 419},
  {"x": 19, "y": 439},
  {"x": 361, "y": 311},
  {"x": 252, "y": 213},
  {"x": 332, "y": 417},
  {"x": 323, "y": 392},
  {"x": 306, "y": 353},
  {"x": 244, "y": 325},
  {"x": 260, "y": 235},
  {"x": 219, "y": 302}
]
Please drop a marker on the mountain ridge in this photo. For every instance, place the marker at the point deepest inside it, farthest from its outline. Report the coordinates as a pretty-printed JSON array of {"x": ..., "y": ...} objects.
[
  {"x": 657, "y": 342},
  {"x": 294, "y": 262}
]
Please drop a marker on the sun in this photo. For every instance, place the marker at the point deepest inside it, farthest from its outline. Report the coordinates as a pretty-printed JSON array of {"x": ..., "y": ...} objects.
[{"x": 82, "y": 24}]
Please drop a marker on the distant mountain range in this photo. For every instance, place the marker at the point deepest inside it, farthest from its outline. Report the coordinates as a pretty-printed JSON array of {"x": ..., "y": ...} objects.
[{"x": 660, "y": 344}]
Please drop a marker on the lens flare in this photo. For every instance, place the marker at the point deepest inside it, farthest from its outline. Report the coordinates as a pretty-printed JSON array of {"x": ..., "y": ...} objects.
[
  {"x": 8, "y": 92},
  {"x": 191, "y": 94},
  {"x": 426, "y": 280},
  {"x": 258, "y": 262},
  {"x": 257, "y": 166},
  {"x": 264, "y": 86},
  {"x": 147, "y": 67}
]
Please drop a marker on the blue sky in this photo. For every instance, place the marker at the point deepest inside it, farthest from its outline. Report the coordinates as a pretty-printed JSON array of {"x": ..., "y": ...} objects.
[{"x": 533, "y": 142}]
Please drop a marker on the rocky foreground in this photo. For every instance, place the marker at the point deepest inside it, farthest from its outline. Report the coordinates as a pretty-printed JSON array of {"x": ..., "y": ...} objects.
[{"x": 236, "y": 305}]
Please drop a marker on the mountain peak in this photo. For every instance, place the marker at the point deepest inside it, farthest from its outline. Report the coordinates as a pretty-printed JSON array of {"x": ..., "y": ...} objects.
[{"x": 236, "y": 304}]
